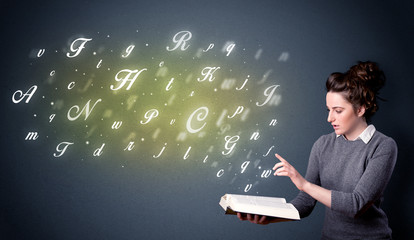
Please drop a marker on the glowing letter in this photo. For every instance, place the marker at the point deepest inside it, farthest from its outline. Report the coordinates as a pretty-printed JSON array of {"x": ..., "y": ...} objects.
[
  {"x": 230, "y": 48},
  {"x": 61, "y": 151},
  {"x": 268, "y": 151},
  {"x": 116, "y": 124},
  {"x": 84, "y": 109},
  {"x": 130, "y": 146},
  {"x": 51, "y": 117},
  {"x": 169, "y": 85},
  {"x": 238, "y": 111},
  {"x": 220, "y": 173},
  {"x": 273, "y": 122},
  {"x": 128, "y": 50},
  {"x": 99, "y": 64},
  {"x": 230, "y": 140},
  {"x": 180, "y": 38},
  {"x": 209, "y": 74},
  {"x": 266, "y": 173},
  {"x": 150, "y": 114},
  {"x": 71, "y": 85},
  {"x": 248, "y": 187},
  {"x": 98, "y": 151},
  {"x": 80, "y": 47},
  {"x": 40, "y": 53},
  {"x": 244, "y": 166},
  {"x": 29, "y": 94},
  {"x": 31, "y": 136},
  {"x": 255, "y": 136},
  {"x": 127, "y": 78},
  {"x": 186, "y": 154},
  {"x": 162, "y": 150},
  {"x": 268, "y": 92},
  {"x": 245, "y": 81},
  {"x": 200, "y": 117},
  {"x": 209, "y": 47}
]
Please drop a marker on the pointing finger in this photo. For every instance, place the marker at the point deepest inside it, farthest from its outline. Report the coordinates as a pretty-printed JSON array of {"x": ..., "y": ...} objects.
[{"x": 280, "y": 158}]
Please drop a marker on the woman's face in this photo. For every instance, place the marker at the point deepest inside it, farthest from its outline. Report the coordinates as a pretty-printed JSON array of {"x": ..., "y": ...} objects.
[{"x": 343, "y": 117}]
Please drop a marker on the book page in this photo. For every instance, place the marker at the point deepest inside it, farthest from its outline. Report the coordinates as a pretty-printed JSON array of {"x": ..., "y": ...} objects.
[
  {"x": 270, "y": 206},
  {"x": 254, "y": 199}
]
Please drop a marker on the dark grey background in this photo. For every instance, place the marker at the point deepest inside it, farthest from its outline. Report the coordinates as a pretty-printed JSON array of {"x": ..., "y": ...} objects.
[{"x": 74, "y": 200}]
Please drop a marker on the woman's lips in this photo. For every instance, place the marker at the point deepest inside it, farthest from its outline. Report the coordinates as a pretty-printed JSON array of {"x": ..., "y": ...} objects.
[{"x": 335, "y": 126}]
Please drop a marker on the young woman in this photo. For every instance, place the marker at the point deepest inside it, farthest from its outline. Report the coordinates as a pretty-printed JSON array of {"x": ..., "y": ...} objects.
[{"x": 348, "y": 169}]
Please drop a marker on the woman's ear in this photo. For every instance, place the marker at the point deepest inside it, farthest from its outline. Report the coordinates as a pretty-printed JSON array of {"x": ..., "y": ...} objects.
[{"x": 361, "y": 111}]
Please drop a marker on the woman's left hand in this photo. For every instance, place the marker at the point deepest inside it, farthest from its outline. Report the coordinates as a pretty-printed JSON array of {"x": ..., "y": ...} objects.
[
  {"x": 283, "y": 168},
  {"x": 258, "y": 219}
]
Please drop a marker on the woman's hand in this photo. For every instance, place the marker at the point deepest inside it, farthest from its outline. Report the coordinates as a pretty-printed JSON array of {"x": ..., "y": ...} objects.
[
  {"x": 283, "y": 168},
  {"x": 319, "y": 193},
  {"x": 259, "y": 219}
]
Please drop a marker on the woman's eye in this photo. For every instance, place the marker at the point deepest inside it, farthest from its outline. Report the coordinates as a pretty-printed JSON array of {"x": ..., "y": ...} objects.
[{"x": 338, "y": 111}]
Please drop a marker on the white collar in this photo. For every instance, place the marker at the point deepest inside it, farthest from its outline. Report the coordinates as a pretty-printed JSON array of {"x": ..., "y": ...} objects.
[{"x": 366, "y": 135}]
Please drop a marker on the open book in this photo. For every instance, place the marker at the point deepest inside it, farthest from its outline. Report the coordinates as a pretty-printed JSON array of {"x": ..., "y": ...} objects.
[{"x": 268, "y": 206}]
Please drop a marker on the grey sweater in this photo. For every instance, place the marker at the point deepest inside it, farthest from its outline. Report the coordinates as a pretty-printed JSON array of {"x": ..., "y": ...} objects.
[{"x": 357, "y": 173}]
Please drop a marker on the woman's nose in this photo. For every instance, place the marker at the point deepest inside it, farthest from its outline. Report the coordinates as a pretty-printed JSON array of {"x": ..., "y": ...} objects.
[{"x": 330, "y": 118}]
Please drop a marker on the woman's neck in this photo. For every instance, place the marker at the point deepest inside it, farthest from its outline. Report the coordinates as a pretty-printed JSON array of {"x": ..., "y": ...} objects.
[{"x": 356, "y": 131}]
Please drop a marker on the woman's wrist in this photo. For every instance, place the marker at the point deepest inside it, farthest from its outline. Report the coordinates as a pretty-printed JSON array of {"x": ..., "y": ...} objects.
[{"x": 306, "y": 186}]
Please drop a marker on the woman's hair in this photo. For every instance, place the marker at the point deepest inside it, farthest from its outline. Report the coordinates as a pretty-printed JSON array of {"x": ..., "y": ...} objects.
[{"x": 359, "y": 85}]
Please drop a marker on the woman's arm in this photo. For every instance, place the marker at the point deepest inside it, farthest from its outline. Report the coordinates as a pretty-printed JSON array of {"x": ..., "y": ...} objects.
[
  {"x": 371, "y": 185},
  {"x": 283, "y": 168},
  {"x": 303, "y": 202}
]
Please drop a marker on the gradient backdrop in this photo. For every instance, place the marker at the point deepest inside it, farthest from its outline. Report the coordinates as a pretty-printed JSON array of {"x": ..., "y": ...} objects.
[{"x": 178, "y": 148}]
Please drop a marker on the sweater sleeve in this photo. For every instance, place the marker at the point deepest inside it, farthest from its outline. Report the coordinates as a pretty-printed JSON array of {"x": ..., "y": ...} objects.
[
  {"x": 303, "y": 202},
  {"x": 372, "y": 183}
]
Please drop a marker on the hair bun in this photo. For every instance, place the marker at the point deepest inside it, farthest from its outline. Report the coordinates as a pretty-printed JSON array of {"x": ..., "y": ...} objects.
[
  {"x": 359, "y": 85},
  {"x": 368, "y": 74}
]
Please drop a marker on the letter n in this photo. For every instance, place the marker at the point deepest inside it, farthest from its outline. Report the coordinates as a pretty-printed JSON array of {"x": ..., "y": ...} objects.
[
  {"x": 273, "y": 122},
  {"x": 255, "y": 136}
]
